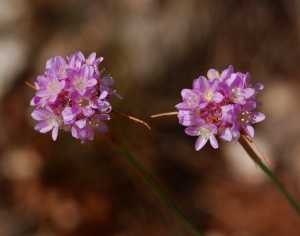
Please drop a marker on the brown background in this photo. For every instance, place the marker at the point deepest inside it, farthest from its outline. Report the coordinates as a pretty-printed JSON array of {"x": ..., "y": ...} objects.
[{"x": 153, "y": 49}]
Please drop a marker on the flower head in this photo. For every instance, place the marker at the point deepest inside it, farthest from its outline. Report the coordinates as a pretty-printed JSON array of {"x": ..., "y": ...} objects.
[
  {"x": 221, "y": 105},
  {"x": 73, "y": 96}
]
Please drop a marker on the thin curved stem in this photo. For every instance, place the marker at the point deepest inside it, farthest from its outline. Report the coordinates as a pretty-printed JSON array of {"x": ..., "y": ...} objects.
[
  {"x": 31, "y": 86},
  {"x": 131, "y": 118},
  {"x": 163, "y": 114},
  {"x": 257, "y": 160},
  {"x": 258, "y": 149},
  {"x": 154, "y": 186}
]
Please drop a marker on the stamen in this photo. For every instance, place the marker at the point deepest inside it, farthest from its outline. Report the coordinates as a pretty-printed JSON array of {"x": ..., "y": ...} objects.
[{"x": 208, "y": 95}]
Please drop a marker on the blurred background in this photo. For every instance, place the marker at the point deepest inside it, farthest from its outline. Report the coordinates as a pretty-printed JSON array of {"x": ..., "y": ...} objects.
[{"x": 153, "y": 49}]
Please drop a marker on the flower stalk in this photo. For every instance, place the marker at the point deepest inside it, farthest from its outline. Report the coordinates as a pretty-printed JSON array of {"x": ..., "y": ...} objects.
[
  {"x": 245, "y": 144},
  {"x": 131, "y": 118},
  {"x": 154, "y": 185}
]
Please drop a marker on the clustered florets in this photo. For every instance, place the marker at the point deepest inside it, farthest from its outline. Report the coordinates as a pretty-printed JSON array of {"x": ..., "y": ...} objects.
[
  {"x": 220, "y": 105},
  {"x": 73, "y": 96}
]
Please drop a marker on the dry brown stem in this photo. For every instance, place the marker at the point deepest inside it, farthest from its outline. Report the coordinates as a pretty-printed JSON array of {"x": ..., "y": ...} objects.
[{"x": 131, "y": 118}]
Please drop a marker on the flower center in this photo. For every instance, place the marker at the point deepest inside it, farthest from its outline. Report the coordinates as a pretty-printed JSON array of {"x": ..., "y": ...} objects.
[
  {"x": 80, "y": 83},
  {"x": 62, "y": 70},
  {"x": 245, "y": 117},
  {"x": 193, "y": 100},
  {"x": 52, "y": 123},
  {"x": 53, "y": 86},
  {"x": 212, "y": 76},
  {"x": 205, "y": 132},
  {"x": 212, "y": 114},
  {"x": 208, "y": 95},
  {"x": 94, "y": 122},
  {"x": 236, "y": 94},
  {"x": 84, "y": 102}
]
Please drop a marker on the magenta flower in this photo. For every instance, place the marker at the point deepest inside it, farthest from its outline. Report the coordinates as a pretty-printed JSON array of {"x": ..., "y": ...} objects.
[
  {"x": 235, "y": 90},
  {"x": 241, "y": 116},
  {"x": 205, "y": 132},
  {"x": 257, "y": 88},
  {"x": 84, "y": 128},
  {"x": 86, "y": 104},
  {"x": 73, "y": 96},
  {"x": 190, "y": 98},
  {"x": 222, "y": 105},
  {"x": 49, "y": 121},
  {"x": 49, "y": 88},
  {"x": 225, "y": 75},
  {"x": 59, "y": 65},
  {"x": 91, "y": 59},
  {"x": 186, "y": 118},
  {"x": 105, "y": 82},
  {"x": 78, "y": 59},
  {"x": 207, "y": 91},
  {"x": 81, "y": 103},
  {"x": 80, "y": 80}
]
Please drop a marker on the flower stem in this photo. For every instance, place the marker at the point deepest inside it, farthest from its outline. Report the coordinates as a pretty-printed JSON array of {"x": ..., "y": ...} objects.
[
  {"x": 131, "y": 117},
  {"x": 154, "y": 186},
  {"x": 258, "y": 161},
  {"x": 163, "y": 114}
]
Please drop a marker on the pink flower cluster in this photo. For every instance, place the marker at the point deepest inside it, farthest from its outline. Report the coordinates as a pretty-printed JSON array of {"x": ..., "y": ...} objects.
[
  {"x": 73, "y": 96},
  {"x": 221, "y": 104}
]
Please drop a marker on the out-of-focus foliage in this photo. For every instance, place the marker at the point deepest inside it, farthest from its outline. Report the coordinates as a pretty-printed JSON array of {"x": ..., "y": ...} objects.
[{"x": 153, "y": 49}]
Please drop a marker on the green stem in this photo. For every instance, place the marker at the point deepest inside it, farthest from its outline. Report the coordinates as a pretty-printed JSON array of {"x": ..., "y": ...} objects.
[
  {"x": 245, "y": 144},
  {"x": 154, "y": 186}
]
